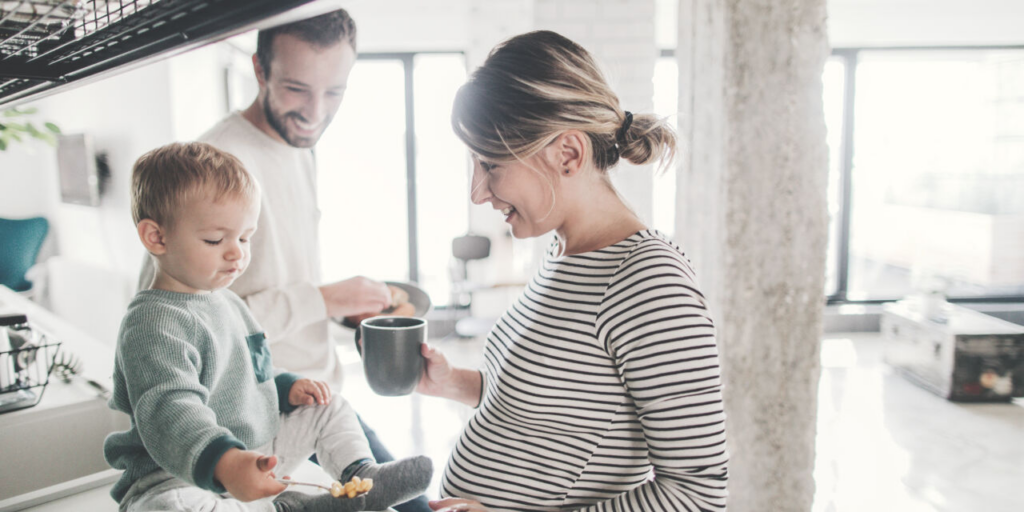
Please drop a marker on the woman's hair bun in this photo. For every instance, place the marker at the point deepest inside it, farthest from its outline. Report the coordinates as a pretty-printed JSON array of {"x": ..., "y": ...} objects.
[{"x": 649, "y": 139}]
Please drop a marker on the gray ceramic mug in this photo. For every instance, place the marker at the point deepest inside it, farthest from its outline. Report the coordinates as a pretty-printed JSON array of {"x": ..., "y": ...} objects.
[{"x": 392, "y": 360}]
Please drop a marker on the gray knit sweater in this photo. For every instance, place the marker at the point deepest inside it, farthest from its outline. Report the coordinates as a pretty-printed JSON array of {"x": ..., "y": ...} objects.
[{"x": 194, "y": 373}]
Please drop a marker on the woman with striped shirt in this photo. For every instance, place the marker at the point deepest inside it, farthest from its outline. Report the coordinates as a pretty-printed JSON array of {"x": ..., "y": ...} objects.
[{"x": 602, "y": 388}]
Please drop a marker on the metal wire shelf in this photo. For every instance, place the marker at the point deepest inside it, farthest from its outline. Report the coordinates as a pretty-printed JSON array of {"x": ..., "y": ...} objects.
[
  {"x": 24, "y": 374},
  {"x": 47, "y": 43},
  {"x": 37, "y": 28}
]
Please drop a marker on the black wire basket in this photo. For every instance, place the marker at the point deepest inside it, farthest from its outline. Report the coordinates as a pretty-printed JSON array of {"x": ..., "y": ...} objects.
[
  {"x": 47, "y": 43},
  {"x": 24, "y": 374}
]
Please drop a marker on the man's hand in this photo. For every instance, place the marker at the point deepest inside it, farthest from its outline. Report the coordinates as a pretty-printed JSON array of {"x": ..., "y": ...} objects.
[
  {"x": 247, "y": 475},
  {"x": 355, "y": 296},
  {"x": 309, "y": 392}
]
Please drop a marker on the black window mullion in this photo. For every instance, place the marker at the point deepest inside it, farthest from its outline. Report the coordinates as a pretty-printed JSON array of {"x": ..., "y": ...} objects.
[
  {"x": 845, "y": 176},
  {"x": 410, "y": 166}
]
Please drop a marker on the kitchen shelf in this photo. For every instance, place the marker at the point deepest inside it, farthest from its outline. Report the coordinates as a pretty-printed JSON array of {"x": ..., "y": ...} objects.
[{"x": 46, "y": 45}]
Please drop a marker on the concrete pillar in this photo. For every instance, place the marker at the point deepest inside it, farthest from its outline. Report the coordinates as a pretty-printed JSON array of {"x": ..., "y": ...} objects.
[{"x": 752, "y": 216}]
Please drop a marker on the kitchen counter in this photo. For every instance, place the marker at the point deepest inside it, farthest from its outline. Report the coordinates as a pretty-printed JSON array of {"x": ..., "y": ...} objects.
[{"x": 54, "y": 449}]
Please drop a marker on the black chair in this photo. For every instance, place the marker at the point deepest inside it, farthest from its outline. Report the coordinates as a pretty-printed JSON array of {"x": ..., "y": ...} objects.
[{"x": 467, "y": 248}]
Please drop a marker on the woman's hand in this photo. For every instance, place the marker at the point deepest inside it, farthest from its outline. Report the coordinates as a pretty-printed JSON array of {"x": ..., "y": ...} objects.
[
  {"x": 456, "y": 505},
  {"x": 441, "y": 379},
  {"x": 247, "y": 474},
  {"x": 309, "y": 392},
  {"x": 437, "y": 373}
]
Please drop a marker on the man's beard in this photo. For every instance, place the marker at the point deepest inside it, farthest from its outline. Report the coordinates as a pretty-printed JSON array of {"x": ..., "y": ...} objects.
[{"x": 278, "y": 124}]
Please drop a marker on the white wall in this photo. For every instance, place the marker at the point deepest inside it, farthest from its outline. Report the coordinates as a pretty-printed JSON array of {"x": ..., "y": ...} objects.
[
  {"x": 28, "y": 188},
  {"x": 197, "y": 89},
  {"x": 126, "y": 115},
  {"x": 925, "y": 22},
  {"x": 405, "y": 25}
]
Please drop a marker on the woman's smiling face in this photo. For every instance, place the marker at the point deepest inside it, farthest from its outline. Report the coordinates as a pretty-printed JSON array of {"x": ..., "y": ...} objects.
[{"x": 523, "y": 191}]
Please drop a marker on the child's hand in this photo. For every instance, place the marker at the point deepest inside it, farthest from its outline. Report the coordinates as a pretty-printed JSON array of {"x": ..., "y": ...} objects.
[
  {"x": 247, "y": 474},
  {"x": 309, "y": 392}
]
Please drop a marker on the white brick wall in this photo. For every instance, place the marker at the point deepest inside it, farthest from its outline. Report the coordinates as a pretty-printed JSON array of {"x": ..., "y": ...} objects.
[
  {"x": 412, "y": 25},
  {"x": 627, "y": 9},
  {"x": 493, "y": 21}
]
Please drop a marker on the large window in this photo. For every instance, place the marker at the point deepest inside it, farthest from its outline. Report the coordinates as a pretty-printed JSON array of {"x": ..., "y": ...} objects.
[
  {"x": 927, "y": 173},
  {"x": 391, "y": 199}
]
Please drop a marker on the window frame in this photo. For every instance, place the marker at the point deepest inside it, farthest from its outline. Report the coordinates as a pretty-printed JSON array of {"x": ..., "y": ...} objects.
[
  {"x": 408, "y": 62},
  {"x": 849, "y": 56}
]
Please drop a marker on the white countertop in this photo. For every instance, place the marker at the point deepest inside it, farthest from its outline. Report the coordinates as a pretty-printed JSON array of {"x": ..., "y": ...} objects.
[{"x": 55, "y": 447}]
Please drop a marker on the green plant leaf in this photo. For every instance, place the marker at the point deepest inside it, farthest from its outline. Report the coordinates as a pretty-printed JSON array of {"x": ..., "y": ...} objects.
[
  {"x": 11, "y": 132},
  {"x": 3, "y": 145}
]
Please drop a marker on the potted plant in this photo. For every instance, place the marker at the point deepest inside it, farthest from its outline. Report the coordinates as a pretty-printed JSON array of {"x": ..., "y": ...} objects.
[{"x": 16, "y": 126}]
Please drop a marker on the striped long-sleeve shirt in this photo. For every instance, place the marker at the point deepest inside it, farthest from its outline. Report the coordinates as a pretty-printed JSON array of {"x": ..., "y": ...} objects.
[{"x": 602, "y": 390}]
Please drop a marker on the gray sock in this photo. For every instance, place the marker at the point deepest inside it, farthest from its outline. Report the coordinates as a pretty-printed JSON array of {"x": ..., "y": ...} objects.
[
  {"x": 396, "y": 482},
  {"x": 293, "y": 501}
]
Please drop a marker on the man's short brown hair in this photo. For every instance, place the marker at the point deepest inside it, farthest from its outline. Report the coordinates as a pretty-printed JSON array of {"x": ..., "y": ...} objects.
[
  {"x": 164, "y": 178},
  {"x": 321, "y": 31}
]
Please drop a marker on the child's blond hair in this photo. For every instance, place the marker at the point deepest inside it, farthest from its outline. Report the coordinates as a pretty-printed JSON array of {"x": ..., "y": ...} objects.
[{"x": 164, "y": 178}]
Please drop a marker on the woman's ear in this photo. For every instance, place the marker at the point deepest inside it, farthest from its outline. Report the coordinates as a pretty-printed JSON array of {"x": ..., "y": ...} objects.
[
  {"x": 571, "y": 148},
  {"x": 152, "y": 237}
]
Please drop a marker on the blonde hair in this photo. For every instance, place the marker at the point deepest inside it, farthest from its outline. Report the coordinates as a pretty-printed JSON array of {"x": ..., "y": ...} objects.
[
  {"x": 164, "y": 178},
  {"x": 534, "y": 87}
]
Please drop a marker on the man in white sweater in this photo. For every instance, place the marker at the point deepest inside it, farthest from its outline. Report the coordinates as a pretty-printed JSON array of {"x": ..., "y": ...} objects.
[{"x": 302, "y": 69}]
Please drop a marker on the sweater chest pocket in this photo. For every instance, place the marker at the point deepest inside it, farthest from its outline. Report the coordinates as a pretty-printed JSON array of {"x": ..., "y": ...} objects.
[{"x": 260, "y": 354}]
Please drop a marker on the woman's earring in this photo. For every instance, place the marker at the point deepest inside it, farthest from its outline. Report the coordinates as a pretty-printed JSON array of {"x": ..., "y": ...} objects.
[{"x": 567, "y": 171}]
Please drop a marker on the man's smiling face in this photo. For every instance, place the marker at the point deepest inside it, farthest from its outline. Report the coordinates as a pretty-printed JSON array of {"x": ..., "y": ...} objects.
[{"x": 304, "y": 87}]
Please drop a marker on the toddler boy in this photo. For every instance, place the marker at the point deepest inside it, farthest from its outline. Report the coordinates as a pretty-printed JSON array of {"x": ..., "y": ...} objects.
[{"x": 209, "y": 413}]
